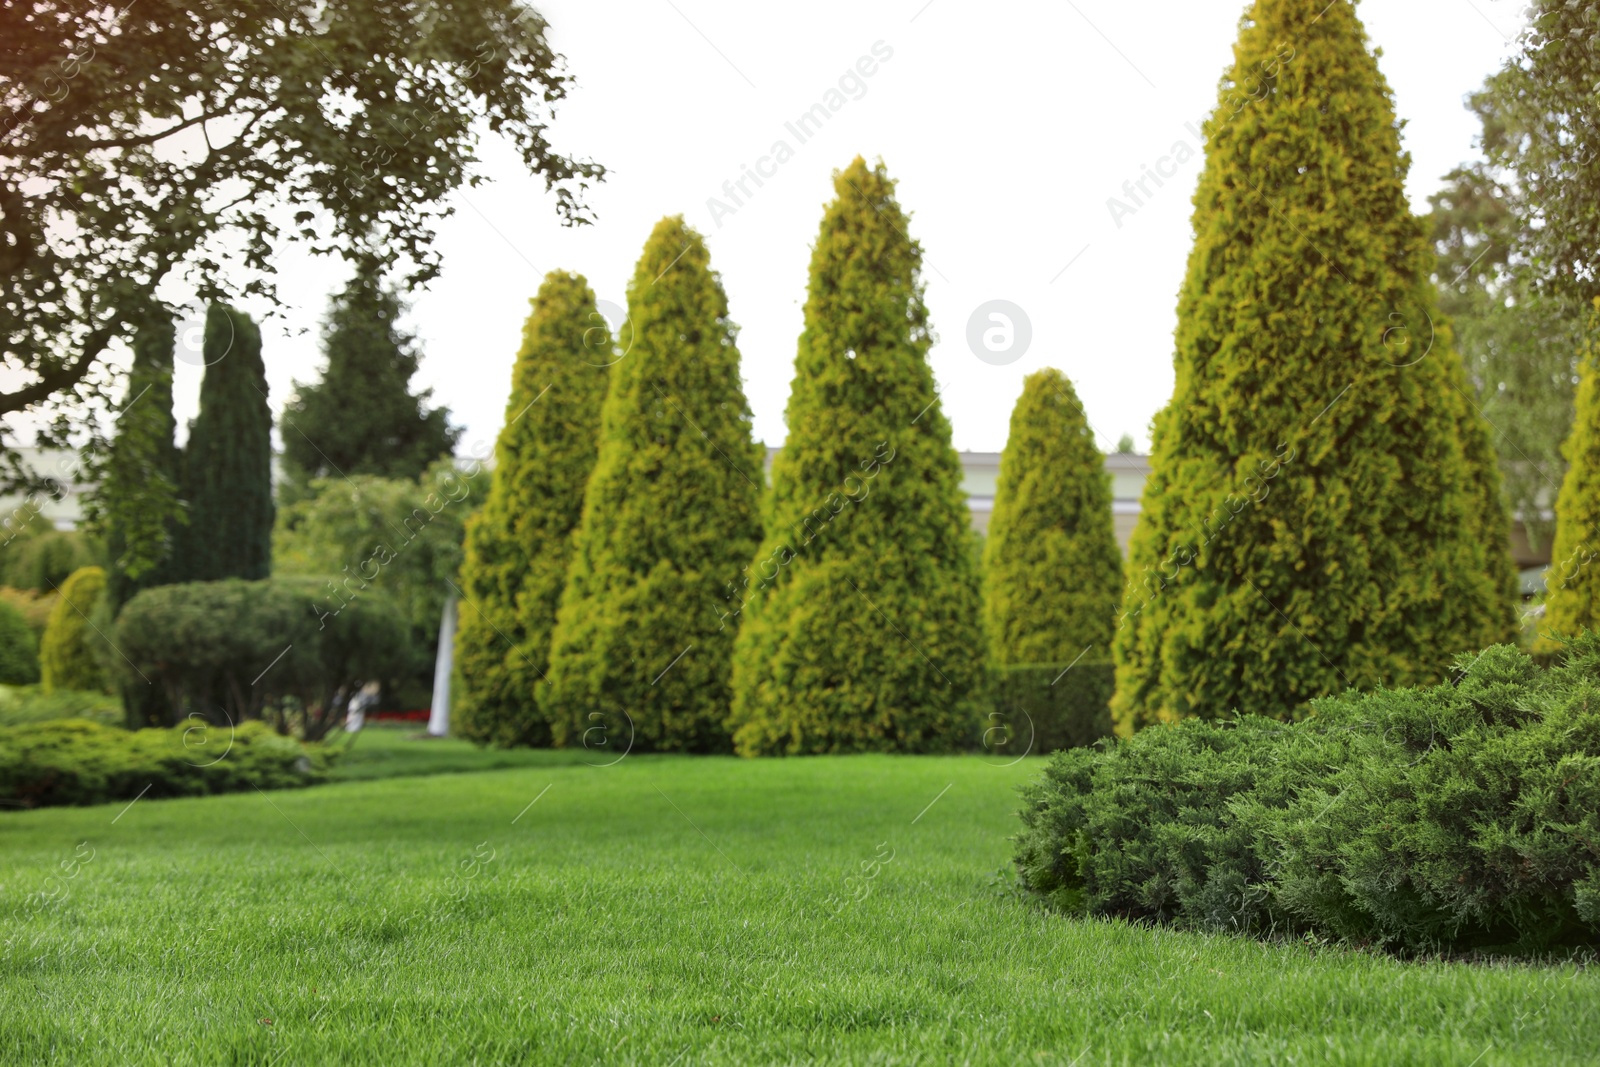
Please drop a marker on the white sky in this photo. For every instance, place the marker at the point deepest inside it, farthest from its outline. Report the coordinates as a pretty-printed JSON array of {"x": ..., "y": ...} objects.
[{"x": 1008, "y": 124}]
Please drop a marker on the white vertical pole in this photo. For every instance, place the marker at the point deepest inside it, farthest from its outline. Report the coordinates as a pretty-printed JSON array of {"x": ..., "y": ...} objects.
[{"x": 439, "y": 712}]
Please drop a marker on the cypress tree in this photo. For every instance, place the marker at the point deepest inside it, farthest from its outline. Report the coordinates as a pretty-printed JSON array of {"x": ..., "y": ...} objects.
[
  {"x": 1052, "y": 568},
  {"x": 1572, "y": 597},
  {"x": 227, "y": 467},
  {"x": 362, "y": 417},
  {"x": 518, "y": 544},
  {"x": 669, "y": 517},
  {"x": 137, "y": 504},
  {"x": 861, "y": 612},
  {"x": 1308, "y": 523}
]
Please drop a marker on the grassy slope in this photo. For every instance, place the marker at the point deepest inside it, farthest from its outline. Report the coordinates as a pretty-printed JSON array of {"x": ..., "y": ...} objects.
[{"x": 609, "y": 928}]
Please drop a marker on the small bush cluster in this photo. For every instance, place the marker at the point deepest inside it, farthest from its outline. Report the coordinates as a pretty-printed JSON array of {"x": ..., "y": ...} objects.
[
  {"x": 1461, "y": 816},
  {"x": 78, "y": 762},
  {"x": 1056, "y": 705}
]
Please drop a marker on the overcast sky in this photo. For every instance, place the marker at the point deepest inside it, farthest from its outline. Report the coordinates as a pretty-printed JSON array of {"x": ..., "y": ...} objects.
[{"x": 1008, "y": 124}]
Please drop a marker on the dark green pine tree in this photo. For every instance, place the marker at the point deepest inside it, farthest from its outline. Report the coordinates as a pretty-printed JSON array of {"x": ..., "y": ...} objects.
[
  {"x": 519, "y": 543},
  {"x": 227, "y": 464},
  {"x": 669, "y": 518},
  {"x": 1313, "y": 519},
  {"x": 1052, "y": 568},
  {"x": 137, "y": 504},
  {"x": 362, "y": 417},
  {"x": 861, "y": 611}
]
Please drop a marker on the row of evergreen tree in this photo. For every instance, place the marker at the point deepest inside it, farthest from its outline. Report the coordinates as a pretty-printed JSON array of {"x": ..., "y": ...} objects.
[
  {"x": 205, "y": 512},
  {"x": 1323, "y": 509},
  {"x": 639, "y": 586}
]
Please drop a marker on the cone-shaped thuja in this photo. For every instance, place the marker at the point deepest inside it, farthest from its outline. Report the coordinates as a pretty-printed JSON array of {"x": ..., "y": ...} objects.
[
  {"x": 1052, "y": 569},
  {"x": 860, "y": 613},
  {"x": 1488, "y": 509},
  {"x": 1307, "y": 524},
  {"x": 1572, "y": 602},
  {"x": 518, "y": 544},
  {"x": 640, "y": 655}
]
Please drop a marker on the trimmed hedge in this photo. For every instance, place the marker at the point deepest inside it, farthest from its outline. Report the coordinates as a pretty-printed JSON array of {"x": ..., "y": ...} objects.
[
  {"x": 236, "y": 650},
  {"x": 1055, "y": 706},
  {"x": 1459, "y": 816},
  {"x": 78, "y": 762}
]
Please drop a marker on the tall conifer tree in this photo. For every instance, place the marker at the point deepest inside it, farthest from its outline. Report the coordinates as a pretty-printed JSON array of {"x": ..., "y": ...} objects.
[
  {"x": 227, "y": 463},
  {"x": 518, "y": 544},
  {"x": 639, "y": 655},
  {"x": 1052, "y": 568},
  {"x": 861, "y": 611},
  {"x": 1572, "y": 600},
  {"x": 362, "y": 417},
  {"x": 1311, "y": 517},
  {"x": 137, "y": 504}
]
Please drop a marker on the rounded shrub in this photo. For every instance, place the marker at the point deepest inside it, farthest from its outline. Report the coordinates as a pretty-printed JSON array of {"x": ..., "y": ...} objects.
[
  {"x": 67, "y": 658},
  {"x": 233, "y": 650}
]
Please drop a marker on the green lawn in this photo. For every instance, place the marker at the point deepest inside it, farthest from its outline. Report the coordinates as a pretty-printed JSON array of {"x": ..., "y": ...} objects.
[{"x": 667, "y": 911}]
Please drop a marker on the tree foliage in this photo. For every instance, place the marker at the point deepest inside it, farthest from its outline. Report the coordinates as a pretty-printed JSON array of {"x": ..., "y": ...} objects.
[
  {"x": 182, "y": 135},
  {"x": 37, "y": 557},
  {"x": 1052, "y": 568},
  {"x": 67, "y": 658},
  {"x": 860, "y": 625},
  {"x": 1543, "y": 123},
  {"x": 398, "y": 541},
  {"x": 519, "y": 544},
  {"x": 19, "y": 649},
  {"x": 669, "y": 516},
  {"x": 1322, "y": 510},
  {"x": 1518, "y": 340},
  {"x": 227, "y": 464},
  {"x": 136, "y": 506},
  {"x": 1572, "y": 598},
  {"x": 362, "y": 417}
]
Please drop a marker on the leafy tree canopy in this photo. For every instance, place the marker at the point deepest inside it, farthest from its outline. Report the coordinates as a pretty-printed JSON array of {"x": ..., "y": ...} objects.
[{"x": 168, "y": 136}]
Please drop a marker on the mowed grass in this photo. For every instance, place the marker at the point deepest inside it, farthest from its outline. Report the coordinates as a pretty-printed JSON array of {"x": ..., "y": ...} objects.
[{"x": 670, "y": 911}]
